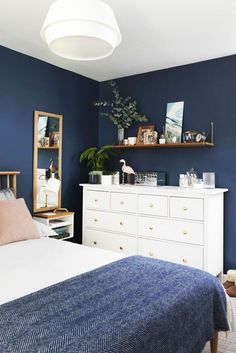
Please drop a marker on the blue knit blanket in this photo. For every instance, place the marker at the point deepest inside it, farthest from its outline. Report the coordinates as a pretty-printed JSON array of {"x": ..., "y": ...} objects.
[{"x": 135, "y": 305}]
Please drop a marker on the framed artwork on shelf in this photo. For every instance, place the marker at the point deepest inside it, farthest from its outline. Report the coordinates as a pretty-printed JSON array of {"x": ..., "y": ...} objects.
[
  {"x": 55, "y": 138},
  {"x": 150, "y": 138},
  {"x": 174, "y": 122},
  {"x": 141, "y": 133}
]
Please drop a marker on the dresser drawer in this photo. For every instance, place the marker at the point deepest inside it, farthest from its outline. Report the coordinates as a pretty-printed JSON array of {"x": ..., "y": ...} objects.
[
  {"x": 179, "y": 231},
  {"x": 187, "y": 208},
  {"x": 115, "y": 242},
  {"x": 98, "y": 199},
  {"x": 111, "y": 221},
  {"x": 123, "y": 202},
  {"x": 153, "y": 205},
  {"x": 189, "y": 255}
]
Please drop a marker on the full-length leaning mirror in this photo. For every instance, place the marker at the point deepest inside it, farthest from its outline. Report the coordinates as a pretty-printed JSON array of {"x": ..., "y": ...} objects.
[{"x": 47, "y": 171}]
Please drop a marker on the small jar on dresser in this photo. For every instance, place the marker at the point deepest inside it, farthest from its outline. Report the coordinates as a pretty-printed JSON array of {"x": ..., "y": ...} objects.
[{"x": 184, "y": 226}]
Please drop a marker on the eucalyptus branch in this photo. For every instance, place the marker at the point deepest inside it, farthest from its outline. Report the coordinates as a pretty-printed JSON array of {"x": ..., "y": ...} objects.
[{"x": 121, "y": 111}]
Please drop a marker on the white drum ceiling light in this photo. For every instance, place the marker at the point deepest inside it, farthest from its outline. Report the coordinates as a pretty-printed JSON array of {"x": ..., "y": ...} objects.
[{"x": 81, "y": 29}]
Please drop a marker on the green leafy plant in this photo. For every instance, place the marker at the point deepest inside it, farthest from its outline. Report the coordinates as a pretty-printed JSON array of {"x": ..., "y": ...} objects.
[
  {"x": 96, "y": 157},
  {"x": 108, "y": 172},
  {"x": 122, "y": 111}
]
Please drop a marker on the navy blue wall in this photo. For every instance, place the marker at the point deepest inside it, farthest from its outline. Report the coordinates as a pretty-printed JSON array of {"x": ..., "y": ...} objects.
[
  {"x": 209, "y": 92},
  {"x": 27, "y": 84}
]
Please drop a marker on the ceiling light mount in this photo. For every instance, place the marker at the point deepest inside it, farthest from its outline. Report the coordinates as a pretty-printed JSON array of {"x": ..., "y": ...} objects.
[{"x": 81, "y": 29}]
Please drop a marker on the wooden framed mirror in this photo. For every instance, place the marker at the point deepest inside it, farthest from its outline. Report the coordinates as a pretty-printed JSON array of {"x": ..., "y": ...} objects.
[{"x": 47, "y": 166}]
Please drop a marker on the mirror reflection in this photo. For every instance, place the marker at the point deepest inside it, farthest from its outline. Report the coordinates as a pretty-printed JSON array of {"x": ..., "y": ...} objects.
[{"x": 47, "y": 161}]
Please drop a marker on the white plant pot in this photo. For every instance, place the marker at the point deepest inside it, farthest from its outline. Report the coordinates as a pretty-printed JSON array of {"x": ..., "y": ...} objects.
[{"x": 107, "y": 180}]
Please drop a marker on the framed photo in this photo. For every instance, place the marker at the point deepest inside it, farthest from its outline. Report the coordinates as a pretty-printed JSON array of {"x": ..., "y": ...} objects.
[
  {"x": 174, "y": 122},
  {"x": 55, "y": 138},
  {"x": 150, "y": 138},
  {"x": 141, "y": 132}
]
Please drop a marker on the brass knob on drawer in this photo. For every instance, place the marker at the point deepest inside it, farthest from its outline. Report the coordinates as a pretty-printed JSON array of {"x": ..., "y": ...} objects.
[
  {"x": 95, "y": 220},
  {"x": 151, "y": 205},
  {"x": 95, "y": 243},
  {"x": 185, "y": 232},
  {"x": 122, "y": 202},
  {"x": 185, "y": 260},
  {"x": 150, "y": 253},
  {"x": 185, "y": 208},
  {"x": 121, "y": 223},
  {"x": 151, "y": 228},
  {"x": 121, "y": 248}
]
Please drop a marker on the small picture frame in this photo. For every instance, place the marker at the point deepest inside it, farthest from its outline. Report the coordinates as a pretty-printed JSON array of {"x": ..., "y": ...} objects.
[
  {"x": 141, "y": 133},
  {"x": 150, "y": 138},
  {"x": 55, "y": 139}
]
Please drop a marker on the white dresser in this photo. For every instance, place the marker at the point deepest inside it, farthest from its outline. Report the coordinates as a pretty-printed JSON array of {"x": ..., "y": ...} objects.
[{"x": 184, "y": 226}]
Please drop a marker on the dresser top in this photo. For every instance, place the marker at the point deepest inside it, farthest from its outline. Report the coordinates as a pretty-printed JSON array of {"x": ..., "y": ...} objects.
[{"x": 155, "y": 189}]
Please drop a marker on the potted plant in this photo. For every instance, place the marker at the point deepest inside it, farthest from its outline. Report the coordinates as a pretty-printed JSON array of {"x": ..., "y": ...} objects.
[
  {"x": 121, "y": 111},
  {"x": 107, "y": 178},
  {"x": 95, "y": 159}
]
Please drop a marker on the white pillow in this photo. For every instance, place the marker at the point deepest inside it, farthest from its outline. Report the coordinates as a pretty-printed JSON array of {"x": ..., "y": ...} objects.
[
  {"x": 7, "y": 194},
  {"x": 44, "y": 230}
]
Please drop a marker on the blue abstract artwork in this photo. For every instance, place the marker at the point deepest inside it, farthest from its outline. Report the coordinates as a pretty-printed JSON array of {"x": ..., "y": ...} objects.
[
  {"x": 42, "y": 127},
  {"x": 174, "y": 122}
]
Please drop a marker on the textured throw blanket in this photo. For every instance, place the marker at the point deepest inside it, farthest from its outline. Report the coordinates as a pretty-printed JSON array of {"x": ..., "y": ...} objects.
[{"x": 136, "y": 305}]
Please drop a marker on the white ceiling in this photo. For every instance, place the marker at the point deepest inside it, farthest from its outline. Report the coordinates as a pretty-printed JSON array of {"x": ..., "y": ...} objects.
[{"x": 157, "y": 34}]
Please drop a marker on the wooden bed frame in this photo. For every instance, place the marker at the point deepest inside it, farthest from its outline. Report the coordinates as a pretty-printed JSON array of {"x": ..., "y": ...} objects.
[
  {"x": 11, "y": 182},
  {"x": 8, "y": 180}
]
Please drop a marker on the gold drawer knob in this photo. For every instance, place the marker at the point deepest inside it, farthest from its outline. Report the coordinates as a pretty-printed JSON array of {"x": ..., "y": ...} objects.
[
  {"x": 151, "y": 205},
  {"x": 185, "y": 208},
  {"x": 95, "y": 243},
  {"x": 121, "y": 248},
  {"x": 151, "y": 254},
  {"x": 185, "y": 261},
  {"x": 121, "y": 223},
  {"x": 95, "y": 220},
  {"x": 122, "y": 202},
  {"x": 151, "y": 228},
  {"x": 185, "y": 232},
  {"x": 95, "y": 200}
]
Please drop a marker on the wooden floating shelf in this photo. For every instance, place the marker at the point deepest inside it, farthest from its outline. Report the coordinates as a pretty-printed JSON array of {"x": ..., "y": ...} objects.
[{"x": 167, "y": 145}]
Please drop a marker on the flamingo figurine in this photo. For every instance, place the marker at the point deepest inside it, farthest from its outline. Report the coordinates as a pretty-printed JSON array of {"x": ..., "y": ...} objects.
[{"x": 125, "y": 169}]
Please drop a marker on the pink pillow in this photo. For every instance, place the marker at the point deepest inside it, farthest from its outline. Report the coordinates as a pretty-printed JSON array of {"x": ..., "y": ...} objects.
[{"x": 16, "y": 222}]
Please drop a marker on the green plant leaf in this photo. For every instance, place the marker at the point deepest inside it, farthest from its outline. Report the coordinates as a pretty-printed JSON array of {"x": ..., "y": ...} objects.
[{"x": 121, "y": 111}]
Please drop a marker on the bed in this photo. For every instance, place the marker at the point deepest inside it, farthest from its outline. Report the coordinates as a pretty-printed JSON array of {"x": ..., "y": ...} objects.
[
  {"x": 9, "y": 180},
  {"x": 60, "y": 297}
]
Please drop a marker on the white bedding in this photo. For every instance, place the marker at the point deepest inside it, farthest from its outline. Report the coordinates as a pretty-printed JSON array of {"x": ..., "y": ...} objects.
[{"x": 30, "y": 265}]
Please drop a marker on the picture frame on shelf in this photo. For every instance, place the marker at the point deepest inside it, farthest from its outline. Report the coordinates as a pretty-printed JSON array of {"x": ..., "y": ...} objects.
[
  {"x": 42, "y": 128},
  {"x": 150, "y": 138},
  {"x": 174, "y": 122},
  {"x": 141, "y": 133},
  {"x": 55, "y": 139}
]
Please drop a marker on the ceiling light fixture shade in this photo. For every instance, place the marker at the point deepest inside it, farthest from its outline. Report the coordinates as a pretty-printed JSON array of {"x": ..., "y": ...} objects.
[{"x": 81, "y": 29}]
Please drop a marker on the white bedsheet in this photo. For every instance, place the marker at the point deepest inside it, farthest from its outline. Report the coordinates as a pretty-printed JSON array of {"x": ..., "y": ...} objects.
[{"x": 30, "y": 265}]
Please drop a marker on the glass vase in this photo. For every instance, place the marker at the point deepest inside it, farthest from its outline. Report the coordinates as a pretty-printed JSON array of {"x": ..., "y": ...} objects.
[{"x": 121, "y": 134}]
